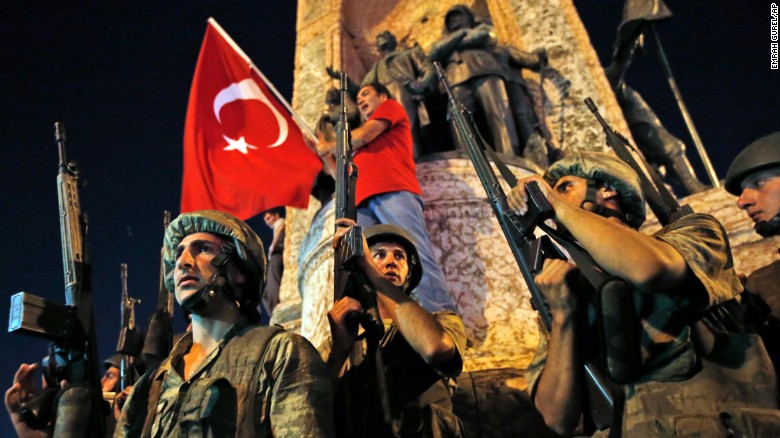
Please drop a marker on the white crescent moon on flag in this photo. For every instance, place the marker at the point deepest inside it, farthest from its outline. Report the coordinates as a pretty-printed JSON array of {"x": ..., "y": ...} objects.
[{"x": 248, "y": 90}]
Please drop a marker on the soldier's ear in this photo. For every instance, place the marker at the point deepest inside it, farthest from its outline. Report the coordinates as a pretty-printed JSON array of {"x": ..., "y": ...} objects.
[
  {"x": 239, "y": 277},
  {"x": 608, "y": 193}
]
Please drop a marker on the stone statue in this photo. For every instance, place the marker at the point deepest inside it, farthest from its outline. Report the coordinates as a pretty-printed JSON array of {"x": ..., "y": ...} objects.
[
  {"x": 477, "y": 78},
  {"x": 407, "y": 74},
  {"x": 324, "y": 185},
  {"x": 533, "y": 134},
  {"x": 327, "y": 121},
  {"x": 660, "y": 147}
]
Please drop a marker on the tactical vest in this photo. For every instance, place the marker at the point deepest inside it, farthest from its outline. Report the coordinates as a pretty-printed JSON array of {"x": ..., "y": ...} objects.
[
  {"x": 734, "y": 393},
  {"x": 220, "y": 402}
]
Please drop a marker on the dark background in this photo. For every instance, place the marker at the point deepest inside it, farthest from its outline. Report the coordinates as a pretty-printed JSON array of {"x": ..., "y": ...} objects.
[{"x": 118, "y": 74}]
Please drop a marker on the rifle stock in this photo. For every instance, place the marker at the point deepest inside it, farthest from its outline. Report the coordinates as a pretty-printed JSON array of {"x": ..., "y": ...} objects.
[{"x": 73, "y": 352}]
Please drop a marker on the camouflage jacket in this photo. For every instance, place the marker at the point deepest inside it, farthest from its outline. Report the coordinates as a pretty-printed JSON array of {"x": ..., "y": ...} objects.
[
  {"x": 681, "y": 389},
  {"x": 419, "y": 395},
  {"x": 259, "y": 382}
]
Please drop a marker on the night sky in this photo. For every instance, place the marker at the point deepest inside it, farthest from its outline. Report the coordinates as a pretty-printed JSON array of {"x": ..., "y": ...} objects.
[{"x": 118, "y": 75}]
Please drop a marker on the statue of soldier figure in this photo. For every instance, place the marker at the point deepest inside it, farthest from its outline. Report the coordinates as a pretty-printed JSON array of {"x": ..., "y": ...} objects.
[
  {"x": 659, "y": 146},
  {"x": 407, "y": 74},
  {"x": 526, "y": 103},
  {"x": 476, "y": 76}
]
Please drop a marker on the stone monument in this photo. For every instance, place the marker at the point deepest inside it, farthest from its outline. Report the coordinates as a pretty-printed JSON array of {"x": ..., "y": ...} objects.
[{"x": 481, "y": 273}]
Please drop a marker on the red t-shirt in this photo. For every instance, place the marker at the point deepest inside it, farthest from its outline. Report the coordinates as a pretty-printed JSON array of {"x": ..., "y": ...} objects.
[{"x": 387, "y": 164}]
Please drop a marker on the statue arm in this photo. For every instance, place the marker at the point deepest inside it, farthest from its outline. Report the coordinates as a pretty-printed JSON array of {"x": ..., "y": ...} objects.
[
  {"x": 530, "y": 60},
  {"x": 442, "y": 49},
  {"x": 479, "y": 37},
  {"x": 352, "y": 87}
]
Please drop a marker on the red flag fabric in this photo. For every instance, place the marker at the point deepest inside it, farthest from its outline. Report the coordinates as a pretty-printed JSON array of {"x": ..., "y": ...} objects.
[{"x": 243, "y": 153}]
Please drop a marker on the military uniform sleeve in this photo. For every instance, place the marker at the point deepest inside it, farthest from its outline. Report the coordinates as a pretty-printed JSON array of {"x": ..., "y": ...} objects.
[
  {"x": 301, "y": 395},
  {"x": 703, "y": 243},
  {"x": 121, "y": 429},
  {"x": 453, "y": 326}
]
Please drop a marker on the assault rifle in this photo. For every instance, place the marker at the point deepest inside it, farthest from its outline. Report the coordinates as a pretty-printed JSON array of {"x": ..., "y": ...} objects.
[
  {"x": 73, "y": 351},
  {"x": 725, "y": 316},
  {"x": 348, "y": 280},
  {"x": 530, "y": 252},
  {"x": 664, "y": 205},
  {"x": 130, "y": 339},
  {"x": 159, "y": 332}
]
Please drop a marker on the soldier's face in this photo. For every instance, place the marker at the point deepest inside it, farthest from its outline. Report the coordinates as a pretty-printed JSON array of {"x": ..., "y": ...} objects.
[
  {"x": 109, "y": 380},
  {"x": 392, "y": 261},
  {"x": 270, "y": 219},
  {"x": 193, "y": 264},
  {"x": 572, "y": 189},
  {"x": 760, "y": 196},
  {"x": 368, "y": 100}
]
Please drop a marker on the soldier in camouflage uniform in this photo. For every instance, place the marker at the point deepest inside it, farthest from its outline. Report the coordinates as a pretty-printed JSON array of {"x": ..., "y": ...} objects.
[
  {"x": 754, "y": 177},
  {"x": 693, "y": 377},
  {"x": 421, "y": 351},
  {"x": 229, "y": 376}
]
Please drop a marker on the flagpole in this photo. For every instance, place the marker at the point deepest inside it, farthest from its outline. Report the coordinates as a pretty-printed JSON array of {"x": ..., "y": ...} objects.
[
  {"x": 683, "y": 109},
  {"x": 268, "y": 83}
]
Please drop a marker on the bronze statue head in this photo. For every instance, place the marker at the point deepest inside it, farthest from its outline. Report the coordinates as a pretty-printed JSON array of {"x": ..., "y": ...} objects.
[
  {"x": 459, "y": 17},
  {"x": 386, "y": 42}
]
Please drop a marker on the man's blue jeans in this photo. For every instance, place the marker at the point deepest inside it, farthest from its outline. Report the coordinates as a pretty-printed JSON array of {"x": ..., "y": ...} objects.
[{"x": 405, "y": 210}]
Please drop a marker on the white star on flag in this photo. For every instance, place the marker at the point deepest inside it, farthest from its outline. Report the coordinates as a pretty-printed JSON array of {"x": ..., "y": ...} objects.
[{"x": 238, "y": 145}]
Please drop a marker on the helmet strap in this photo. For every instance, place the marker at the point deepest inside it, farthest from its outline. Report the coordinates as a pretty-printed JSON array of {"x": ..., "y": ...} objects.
[
  {"x": 591, "y": 195},
  {"x": 770, "y": 227},
  {"x": 201, "y": 299}
]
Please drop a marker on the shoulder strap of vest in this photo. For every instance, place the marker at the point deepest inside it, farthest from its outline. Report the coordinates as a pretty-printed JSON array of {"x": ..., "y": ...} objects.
[{"x": 146, "y": 394}]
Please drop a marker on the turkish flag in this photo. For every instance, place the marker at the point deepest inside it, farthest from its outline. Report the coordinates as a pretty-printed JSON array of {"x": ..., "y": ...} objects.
[{"x": 243, "y": 153}]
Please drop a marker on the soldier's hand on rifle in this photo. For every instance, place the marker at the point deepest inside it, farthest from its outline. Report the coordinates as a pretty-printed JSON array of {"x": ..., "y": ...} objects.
[
  {"x": 518, "y": 197},
  {"x": 554, "y": 286},
  {"x": 344, "y": 224},
  {"x": 119, "y": 402},
  {"x": 20, "y": 392},
  {"x": 343, "y": 335}
]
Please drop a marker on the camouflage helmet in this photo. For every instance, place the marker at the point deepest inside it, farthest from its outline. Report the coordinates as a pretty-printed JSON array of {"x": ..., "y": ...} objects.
[
  {"x": 113, "y": 361},
  {"x": 248, "y": 247},
  {"x": 610, "y": 170},
  {"x": 391, "y": 233},
  {"x": 759, "y": 155}
]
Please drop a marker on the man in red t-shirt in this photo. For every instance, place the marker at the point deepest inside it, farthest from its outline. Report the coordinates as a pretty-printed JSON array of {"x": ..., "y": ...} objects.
[{"x": 387, "y": 190}]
